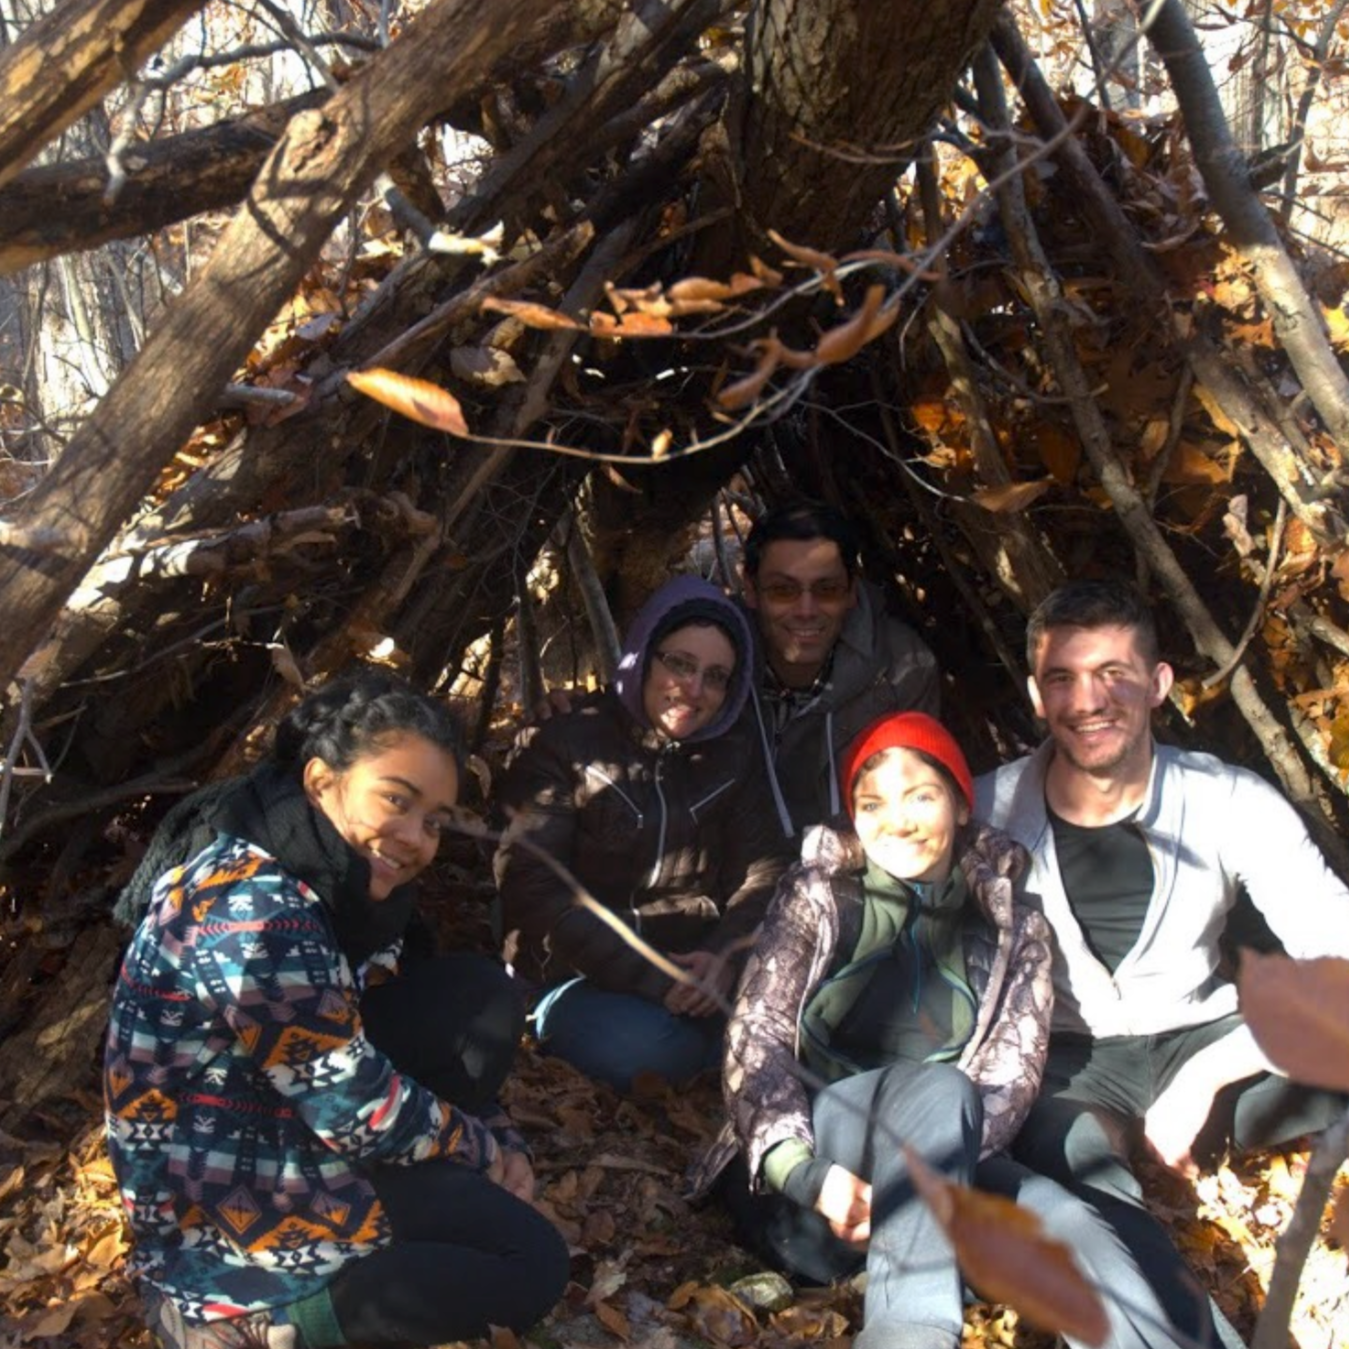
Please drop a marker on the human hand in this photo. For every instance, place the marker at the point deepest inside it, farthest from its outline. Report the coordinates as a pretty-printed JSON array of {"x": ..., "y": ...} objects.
[
  {"x": 518, "y": 1175},
  {"x": 1174, "y": 1122},
  {"x": 845, "y": 1203},
  {"x": 714, "y": 976},
  {"x": 556, "y": 702},
  {"x": 496, "y": 1168}
]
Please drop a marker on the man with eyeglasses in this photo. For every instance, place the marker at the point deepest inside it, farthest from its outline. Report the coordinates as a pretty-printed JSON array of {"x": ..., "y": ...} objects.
[{"x": 833, "y": 660}]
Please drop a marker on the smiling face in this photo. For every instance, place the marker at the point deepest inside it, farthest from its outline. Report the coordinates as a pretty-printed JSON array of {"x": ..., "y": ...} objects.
[
  {"x": 687, "y": 680},
  {"x": 906, "y": 816},
  {"x": 1096, "y": 688},
  {"x": 801, "y": 593},
  {"x": 391, "y": 805}
]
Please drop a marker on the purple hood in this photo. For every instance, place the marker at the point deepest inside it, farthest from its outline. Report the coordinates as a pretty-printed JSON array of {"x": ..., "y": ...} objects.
[{"x": 701, "y": 597}]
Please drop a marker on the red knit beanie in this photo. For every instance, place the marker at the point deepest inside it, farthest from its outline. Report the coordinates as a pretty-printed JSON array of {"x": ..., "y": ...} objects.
[{"x": 906, "y": 730}]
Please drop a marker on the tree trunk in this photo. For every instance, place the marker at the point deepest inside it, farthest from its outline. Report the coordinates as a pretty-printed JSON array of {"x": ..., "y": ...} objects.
[{"x": 840, "y": 92}]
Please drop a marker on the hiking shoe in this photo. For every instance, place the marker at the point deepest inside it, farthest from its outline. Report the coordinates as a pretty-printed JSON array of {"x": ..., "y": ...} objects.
[{"x": 255, "y": 1331}]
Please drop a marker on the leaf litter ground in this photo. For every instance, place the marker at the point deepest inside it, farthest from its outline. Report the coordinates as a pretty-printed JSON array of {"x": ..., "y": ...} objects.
[{"x": 648, "y": 1270}]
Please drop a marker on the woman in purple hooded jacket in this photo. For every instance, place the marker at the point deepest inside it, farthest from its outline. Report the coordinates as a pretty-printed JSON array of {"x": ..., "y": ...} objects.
[{"x": 655, "y": 802}]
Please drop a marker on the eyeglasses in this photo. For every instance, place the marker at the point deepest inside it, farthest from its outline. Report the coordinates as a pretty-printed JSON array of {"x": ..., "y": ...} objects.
[
  {"x": 715, "y": 677},
  {"x": 827, "y": 590}
]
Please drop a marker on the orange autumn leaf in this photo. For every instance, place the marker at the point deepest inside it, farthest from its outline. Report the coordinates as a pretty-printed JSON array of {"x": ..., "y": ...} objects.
[
  {"x": 417, "y": 399},
  {"x": 1011, "y": 497},
  {"x": 1005, "y": 1254},
  {"x": 532, "y": 315},
  {"x": 1060, "y": 452},
  {"x": 744, "y": 391},
  {"x": 845, "y": 341},
  {"x": 612, "y": 1320},
  {"x": 1298, "y": 1012}
]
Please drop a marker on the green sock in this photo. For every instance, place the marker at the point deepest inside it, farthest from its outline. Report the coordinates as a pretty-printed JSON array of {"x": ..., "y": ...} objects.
[{"x": 315, "y": 1318}]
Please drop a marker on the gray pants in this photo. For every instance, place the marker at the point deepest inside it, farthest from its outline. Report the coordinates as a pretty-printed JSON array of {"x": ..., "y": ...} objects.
[{"x": 914, "y": 1297}]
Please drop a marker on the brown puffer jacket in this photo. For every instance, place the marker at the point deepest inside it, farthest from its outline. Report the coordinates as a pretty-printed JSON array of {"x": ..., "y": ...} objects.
[
  {"x": 679, "y": 841},
  {"x": 814, "y": 921}
]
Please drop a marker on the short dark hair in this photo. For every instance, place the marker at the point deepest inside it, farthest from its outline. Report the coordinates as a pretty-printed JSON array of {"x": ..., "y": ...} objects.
[
  {"x": 1093, "y": 604},
  {"x": 348, "y": 718},
  {"x": 801, "y": 520}
]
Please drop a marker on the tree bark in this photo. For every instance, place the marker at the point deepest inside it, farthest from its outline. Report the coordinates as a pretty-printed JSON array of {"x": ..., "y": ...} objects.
[
  {"x": 832, "y": 80},
  {"x": 65, "y": 63},
  {"x": 316, "y": 172},
  {"x": 60, "y": 208}
]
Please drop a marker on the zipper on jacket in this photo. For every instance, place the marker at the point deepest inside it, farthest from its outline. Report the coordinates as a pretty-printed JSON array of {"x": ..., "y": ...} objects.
[
  {"x": 710, "y": 797},
  {"x": 605, "y": 778},
  {"x": 660, "y": 828}
]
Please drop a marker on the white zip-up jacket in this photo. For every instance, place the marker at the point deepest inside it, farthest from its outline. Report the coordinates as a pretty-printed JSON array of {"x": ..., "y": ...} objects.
[{"x": 1211, "y": 828}]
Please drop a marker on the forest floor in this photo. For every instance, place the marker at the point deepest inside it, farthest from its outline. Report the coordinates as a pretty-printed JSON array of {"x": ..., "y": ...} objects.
[{"x": 648, "y": 1270}]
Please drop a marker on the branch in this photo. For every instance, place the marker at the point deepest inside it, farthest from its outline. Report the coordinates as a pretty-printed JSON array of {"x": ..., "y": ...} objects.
[
  {"x": 1295, "y": 1242},
  {"x": 1296, "y": 320},
  {"x": 320, "y": 167},
  {"x": 66, "y": 62},
  {"x": 1298, "y": 131}
]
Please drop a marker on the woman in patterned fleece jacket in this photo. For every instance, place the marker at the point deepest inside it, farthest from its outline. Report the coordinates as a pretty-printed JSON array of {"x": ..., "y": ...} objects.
[
  {"x": 308, "y": 1149},
  {"x": 899, "y": 993}
]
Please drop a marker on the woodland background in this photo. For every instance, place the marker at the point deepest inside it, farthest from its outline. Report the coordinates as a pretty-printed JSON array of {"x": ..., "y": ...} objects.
[{"x": 1031, "y": 290}]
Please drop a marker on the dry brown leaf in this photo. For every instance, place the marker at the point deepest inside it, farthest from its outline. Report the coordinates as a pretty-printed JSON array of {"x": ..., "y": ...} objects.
[
  {"x": 612, "y": 1320},
  {"x": 807, "y": 257},
  {"x": 763, "y": 273},
  {"x": 1006, "y": 1256},
  {"x": 532, "y": 315},
  {"x": 1011, "y": 497},
  {"x": 1060, "y": 452},
  {"x": 744, "y": 391},
  {"x": 1298, "y": 1011},
  {"x": 682, "y": 1295},
  {"x": 503, "y": 1337},
  {"x": 845, "y": 341},
  {"x": 702, "y": 288},
  {"x": 721, "y": 1317},
  {"x": 416, "y": 399}
]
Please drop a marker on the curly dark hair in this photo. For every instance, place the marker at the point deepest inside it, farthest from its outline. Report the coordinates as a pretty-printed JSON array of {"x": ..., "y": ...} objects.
[{"x": 348, "y": 717}]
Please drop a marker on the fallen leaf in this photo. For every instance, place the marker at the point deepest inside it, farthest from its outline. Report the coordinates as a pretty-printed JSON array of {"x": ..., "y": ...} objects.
[
  {"x": 1298, "y": 1012},
  {"x": 488, "y": 366},
  {"x": 416, "y": 399},
  {"x": 1012, "y": 496},
  {"x": 612, "y": 1320},
  {"x": 1005, "y": 1254},
  {"x": 721, "y": 1317}
]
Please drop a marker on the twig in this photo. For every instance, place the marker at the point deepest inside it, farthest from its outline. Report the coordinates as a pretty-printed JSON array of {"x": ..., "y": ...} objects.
[
  {"x": 1097, "y": 66},
  {"x": 1295, "y": 1242},
  {"x": 22, "y": 731},
  {"x": 1175, "y": 425},
  {"x": 607, "y": 646},
  {"x": 1258, "y": 613}
]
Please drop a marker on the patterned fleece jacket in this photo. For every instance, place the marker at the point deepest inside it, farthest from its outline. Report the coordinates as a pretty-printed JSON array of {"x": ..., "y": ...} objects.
[
  {"x": 243, "y": 1097},
  {"x": 811, "y": 929}
]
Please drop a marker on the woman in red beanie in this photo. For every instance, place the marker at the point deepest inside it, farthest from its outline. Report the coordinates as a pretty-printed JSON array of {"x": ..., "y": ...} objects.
[{"x": 899, "y": 993}]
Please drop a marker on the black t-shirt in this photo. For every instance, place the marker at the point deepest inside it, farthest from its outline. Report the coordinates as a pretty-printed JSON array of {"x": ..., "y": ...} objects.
[{"x": 1107, "y": 874}]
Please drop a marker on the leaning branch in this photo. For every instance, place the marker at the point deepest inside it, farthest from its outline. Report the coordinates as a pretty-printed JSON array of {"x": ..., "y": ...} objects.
[
  {"x": 322, "y": 164},
  {"x": 1251, "y": 229}
]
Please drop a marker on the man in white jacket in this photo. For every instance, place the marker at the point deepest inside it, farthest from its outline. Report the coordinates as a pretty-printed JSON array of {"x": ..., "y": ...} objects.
[{"x": 1139, "y": 853}]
